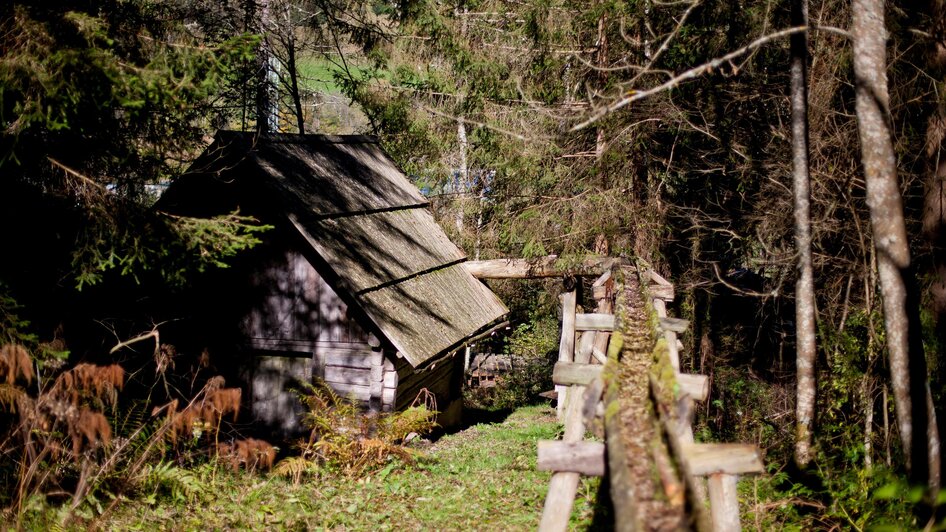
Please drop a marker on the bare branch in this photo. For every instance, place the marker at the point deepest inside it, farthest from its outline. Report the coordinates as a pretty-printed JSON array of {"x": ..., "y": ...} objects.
[{"x": 635, "y": 95}]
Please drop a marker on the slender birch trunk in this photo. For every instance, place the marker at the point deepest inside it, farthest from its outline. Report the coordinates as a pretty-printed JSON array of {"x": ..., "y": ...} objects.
[
  {"x": 463, "y": 174},
  {"x": 805, "y": 346}
]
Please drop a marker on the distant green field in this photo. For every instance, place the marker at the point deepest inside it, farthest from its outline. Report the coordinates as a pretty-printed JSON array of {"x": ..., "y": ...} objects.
[{"x": 317, "y": 73}]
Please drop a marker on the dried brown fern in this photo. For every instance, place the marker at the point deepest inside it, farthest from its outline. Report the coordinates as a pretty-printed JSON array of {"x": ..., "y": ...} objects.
[
  {"x": 13, "y": 398},
  {"x": 91, "y": 428},
  {"x": 204, "y": 413},
  {"x": 250, "y": 453},
  {"x": 88, "y": 381},
  {"x": 15, "y": 362}
]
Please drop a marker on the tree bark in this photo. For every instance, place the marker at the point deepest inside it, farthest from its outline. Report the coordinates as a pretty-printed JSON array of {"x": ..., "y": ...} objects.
[
  {"x": 294, "y": 75},
  {"x": 934, "y": 208},
  {"x": 463, "y": 174},
  {"x": 805, "y": 346},
  {"x": 901, "y": 309}
]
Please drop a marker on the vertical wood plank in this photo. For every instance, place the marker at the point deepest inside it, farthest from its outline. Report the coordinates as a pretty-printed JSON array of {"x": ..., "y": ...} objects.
[
  {"x": 724, "y": 503},
  {"x": 660, "y": 306},
  {"x": 586, "y": 342},
  {"x": 672, "y": 350},
  {"x": 605, "y": 306},
  {"x": 566, "y": 348},
  {"x": 564, "y": 486}
]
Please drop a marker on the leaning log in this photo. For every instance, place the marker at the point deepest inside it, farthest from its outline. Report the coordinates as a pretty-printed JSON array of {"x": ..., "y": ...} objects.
[{"x": 550, "y": 266}]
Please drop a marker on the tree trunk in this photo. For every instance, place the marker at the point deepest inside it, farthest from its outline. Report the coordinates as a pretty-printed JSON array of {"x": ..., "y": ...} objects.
[
  {"x": 901, "y": 308},
  {"x": 264, "y": 89},
  {"x": 294, "y": 77},
  {"x": 463, "y": 177},
  {"x": 806, "y": 349},
  {"x": 934, "y": 208}
]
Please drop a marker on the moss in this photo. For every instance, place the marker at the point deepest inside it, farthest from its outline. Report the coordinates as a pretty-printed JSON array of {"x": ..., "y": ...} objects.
[{"x": 615, "y": 346}]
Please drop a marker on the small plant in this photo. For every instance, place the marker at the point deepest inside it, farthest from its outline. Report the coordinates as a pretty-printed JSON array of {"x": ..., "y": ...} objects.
[
  {"x": 204, "y": 414},
  {"x": 345, "y": 439},
  {"x": 250, "y": 453}
]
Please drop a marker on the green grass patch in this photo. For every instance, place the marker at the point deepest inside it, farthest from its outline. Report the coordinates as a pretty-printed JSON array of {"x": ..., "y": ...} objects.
[
  {"x": 317, "y": 73},
  {"x": 483, "y": 477}
]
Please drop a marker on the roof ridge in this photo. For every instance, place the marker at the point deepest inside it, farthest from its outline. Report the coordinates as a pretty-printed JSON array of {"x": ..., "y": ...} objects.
[{"x": 298, "y": 138}]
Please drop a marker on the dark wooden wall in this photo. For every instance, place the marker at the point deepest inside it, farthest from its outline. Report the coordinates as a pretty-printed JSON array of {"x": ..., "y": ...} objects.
[{"x": 295, "y": 318}]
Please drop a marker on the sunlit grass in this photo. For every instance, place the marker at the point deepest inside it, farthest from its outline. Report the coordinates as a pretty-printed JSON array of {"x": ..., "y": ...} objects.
[{"x": 483, "y": 477}]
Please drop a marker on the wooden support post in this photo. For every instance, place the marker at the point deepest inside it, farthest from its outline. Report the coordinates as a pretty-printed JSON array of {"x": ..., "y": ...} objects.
[
  {"x": 566, "y": 348},
  {"x": 584, "y": 457},
  {"x": 592, "y": 399},
  {"x": 672, "y": 350},
  {"x": 586, "y": 342},
  {"x": 660, "y": 307},
  {"x": 724, "y": 503},
  {"x": 564, "y": 485},
  {"x": 605, "y": 306}
]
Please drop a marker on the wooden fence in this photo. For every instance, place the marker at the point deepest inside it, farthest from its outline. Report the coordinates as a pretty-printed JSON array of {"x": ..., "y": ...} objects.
[{"x": 695, "y": 484}]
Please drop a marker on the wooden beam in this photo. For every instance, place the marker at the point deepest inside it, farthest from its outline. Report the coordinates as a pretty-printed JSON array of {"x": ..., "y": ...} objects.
[
  {"x": 602, "y": 287},
  {"x": 658, "y": 279},
  {"x": 603, "y": 280},
  {"x": 550, "y": 266},
  {"x": 594, "y": 322},
  {"x": 584, "y": 457},
  {"x": 664, "y": 293},
  {"x": 677, "y": 325},
  {"x": 730, "y": 458},
  {"x": 569, "y": 373},
  {"x": 695, "y": 386}
]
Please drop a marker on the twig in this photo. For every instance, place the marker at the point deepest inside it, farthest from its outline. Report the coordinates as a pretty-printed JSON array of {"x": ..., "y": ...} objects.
[{"x": 151, "y": 334}]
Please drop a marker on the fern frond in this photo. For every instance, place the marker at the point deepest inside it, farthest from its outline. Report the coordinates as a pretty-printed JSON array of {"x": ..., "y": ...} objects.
[
  {"x": 167, "y": 479},
  {"x": 11, "y": 397},
  {"x": 295, "y": 468}
]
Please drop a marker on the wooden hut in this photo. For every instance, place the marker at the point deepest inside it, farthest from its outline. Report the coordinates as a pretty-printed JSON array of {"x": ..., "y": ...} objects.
[{"x": 357, "y": 285}]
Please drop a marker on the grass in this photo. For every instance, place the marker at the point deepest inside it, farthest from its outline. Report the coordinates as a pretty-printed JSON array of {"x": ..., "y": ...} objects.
[
  {"x": 316, "y": 73},
  {"x": 481, "y": 478}
]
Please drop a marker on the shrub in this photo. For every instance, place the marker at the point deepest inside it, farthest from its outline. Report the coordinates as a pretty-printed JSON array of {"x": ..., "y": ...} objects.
[{"x": 343, "y": 438}]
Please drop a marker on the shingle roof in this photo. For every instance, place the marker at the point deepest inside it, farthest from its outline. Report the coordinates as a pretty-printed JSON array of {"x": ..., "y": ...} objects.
[{"x": 370, "y": 225}]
